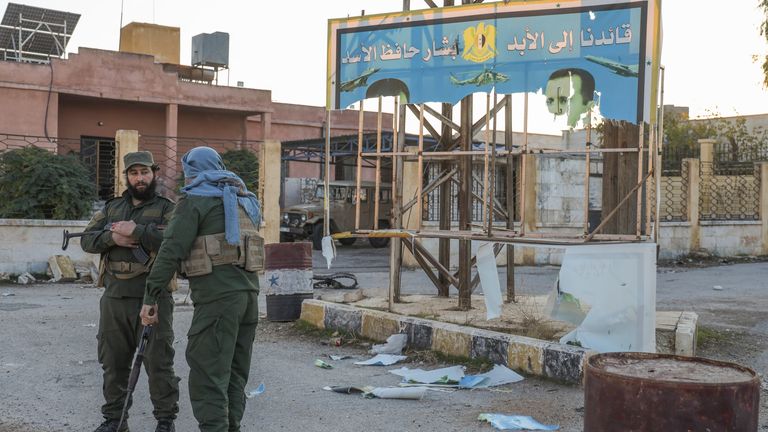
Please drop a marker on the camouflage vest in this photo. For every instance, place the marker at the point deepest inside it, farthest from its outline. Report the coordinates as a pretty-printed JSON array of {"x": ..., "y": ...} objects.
[{"x": 209, "y": 251}]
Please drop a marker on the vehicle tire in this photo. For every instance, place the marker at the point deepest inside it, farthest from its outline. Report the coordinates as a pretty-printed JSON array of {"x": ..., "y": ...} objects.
[
  {"x": 347, "y": 241},
  {"x": 380, "y": 242},
  {"x": 317, "y": 236}
]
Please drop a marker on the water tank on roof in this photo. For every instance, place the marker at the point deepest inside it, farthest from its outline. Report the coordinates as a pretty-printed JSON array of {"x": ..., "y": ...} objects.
[{"x": 211, "y": 49}]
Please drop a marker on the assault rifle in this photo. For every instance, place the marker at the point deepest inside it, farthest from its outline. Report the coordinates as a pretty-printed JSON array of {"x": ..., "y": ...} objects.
[
  {"x": 138, "y": 252},
  {"x": 135, "y": 370}
]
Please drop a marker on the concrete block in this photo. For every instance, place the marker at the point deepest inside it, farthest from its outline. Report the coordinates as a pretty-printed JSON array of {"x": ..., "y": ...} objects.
[
  {"x": 379, "y": 326},
  {"x": 451, "y": 340},
  {"x": 565, "y": 362},
  {"x": 419, "y": 333},
  {"x": 62, "y": 268},
  {"x": 526, "y": 354},
  {"x": 346, "y": 296},
  {"x": 685, "y": 334},
  {"x": 491, "y": 345},
  {"x": 313, "y": 312},
  {"x": 345, "y": 318}
]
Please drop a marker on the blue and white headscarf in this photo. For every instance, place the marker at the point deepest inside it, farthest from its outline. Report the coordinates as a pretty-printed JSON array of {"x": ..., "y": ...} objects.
[{"x": 209, "y": 178}]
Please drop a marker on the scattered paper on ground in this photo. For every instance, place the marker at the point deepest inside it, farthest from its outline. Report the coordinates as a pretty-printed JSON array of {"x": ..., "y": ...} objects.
[
  {"x": 382, "y": 360},
  {"x": 497, "y": 376},
  {"x": 394, "y": 345},
  {"x": 447, "y": 375},
  {"x": 515, "y": 422}
]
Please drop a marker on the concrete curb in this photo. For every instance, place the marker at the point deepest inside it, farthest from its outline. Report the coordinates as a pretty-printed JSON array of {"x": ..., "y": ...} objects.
[{"x": 527, "y": 355}]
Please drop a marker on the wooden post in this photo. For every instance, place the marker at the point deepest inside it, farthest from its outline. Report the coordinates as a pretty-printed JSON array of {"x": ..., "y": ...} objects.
[
  {"x": 395, "y": 245},
  {"x": 508, "y": 142},
  {"x": 377, "y": 188},
  {"x": 420, "y": 173},
  {"x": 359, "y": 175},
  {"x": 465, "y": 205},
  {"x": 446, "y": 207}
]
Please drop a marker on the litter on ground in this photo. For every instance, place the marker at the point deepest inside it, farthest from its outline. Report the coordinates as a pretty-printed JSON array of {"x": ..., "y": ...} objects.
[
  {"x": 382, "y": 360},
  {"x": 515, "y": 422}
]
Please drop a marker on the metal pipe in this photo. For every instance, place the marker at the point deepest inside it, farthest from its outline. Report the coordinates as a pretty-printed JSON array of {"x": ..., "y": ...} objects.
[
  {"x": 586, "y": 175},
  {"x": 377, "y": 187},
  {"x": 359, "y": 161},
  {"x": 420, "y": 175}
]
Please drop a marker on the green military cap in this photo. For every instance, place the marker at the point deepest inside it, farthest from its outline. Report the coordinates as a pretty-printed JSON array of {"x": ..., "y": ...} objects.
[{"x": 138, "y": 158}]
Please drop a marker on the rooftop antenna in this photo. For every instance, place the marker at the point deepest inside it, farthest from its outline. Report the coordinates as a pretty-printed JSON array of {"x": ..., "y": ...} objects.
[{"x": 120, "y": 32}]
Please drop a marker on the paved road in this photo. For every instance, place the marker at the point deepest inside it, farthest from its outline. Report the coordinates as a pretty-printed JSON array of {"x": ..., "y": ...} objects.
[{"x": 50, "y": 379}]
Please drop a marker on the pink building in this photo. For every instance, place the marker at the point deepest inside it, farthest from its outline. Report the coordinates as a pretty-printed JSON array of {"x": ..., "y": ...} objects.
[{"x": 76, "y": 105}]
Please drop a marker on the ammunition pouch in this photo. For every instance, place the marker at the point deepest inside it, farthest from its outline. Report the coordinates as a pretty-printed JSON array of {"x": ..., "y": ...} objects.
[
  {"x": 212, "y": 250},
  {"x": 126, "y": 270}
]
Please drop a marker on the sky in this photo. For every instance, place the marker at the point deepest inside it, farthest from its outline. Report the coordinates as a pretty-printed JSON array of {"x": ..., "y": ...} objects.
[{"x": 708, "y": 48}]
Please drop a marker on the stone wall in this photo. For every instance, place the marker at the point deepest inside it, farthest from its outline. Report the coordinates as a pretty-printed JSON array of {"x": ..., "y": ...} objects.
[{"x": 28, "y": 243}]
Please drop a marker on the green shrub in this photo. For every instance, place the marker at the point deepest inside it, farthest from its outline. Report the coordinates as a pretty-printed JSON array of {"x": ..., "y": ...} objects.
[
  {"x": 241, "y": 162},
  {"x": 38, "y": 184},
  {"x": 246, "y": 165}
]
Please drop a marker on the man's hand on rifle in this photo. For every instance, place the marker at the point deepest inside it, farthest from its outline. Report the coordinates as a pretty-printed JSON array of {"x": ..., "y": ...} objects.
[
  {"x": 149, "y": 315},
  {"x": 124, "y": 241},
  {"x": 124, "y": 228}
]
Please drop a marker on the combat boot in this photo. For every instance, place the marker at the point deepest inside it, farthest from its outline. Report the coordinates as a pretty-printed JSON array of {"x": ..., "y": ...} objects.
[
  {"x": 110, "y": 425},
  {"x": 165, "y": 425}
]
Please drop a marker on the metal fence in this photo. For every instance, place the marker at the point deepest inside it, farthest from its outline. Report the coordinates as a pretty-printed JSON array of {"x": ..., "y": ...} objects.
[
  {"x": 735, "y": 196},
  {"x": 432, "y": 171},
  {"x": 98, "y": 155}
]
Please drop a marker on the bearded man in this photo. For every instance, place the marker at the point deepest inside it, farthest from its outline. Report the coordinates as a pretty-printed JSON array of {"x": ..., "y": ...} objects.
[{"x": 133, "y": 220}]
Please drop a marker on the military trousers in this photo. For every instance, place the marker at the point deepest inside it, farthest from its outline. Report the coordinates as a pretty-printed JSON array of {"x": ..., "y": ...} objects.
[
  {"x": 220, "y": 342},
  {"x": 118, "y": 337}
]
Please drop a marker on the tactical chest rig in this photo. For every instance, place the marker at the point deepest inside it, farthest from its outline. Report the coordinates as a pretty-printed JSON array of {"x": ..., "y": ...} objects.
[{"x": 209, "y": 251}]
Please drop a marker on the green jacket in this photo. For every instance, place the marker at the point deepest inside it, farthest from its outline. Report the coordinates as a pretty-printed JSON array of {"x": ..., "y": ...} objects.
[
  {"x": 196, "y": 216},
  {"x": 147, "y": 215}
]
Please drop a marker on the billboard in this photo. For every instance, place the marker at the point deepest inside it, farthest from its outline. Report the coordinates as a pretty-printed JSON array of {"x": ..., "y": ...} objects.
[{"x": 579, "y": 53}]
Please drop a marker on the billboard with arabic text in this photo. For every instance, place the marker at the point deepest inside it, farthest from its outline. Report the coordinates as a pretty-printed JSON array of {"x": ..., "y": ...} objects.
[{"x": 442, "y": 55}]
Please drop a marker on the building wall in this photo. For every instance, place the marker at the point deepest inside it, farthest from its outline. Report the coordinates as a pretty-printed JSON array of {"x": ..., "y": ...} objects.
[
  {"x": 211, "y": 124},
  {"x": 26, "y": 114},
  {"x": 80, "y": 116}
]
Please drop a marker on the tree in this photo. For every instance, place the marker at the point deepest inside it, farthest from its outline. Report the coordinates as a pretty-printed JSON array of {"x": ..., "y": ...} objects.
[
  {"x": 245, "y": 164},
  {"x": 764, "y": 32},
  {"x": 38, "y": 184}
]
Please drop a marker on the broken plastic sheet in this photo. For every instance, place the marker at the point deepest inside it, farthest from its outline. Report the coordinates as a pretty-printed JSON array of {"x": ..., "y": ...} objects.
[
  {"x": 329, "y": 250},
  {"x": 515, "y": 422},
  {"x": 255, "y": 392},
  {"x": 447, "y": 375},
  {"x": 394, "y": 345},
  {"x": 323, "y": 365},
  {"x": 497, "y": 376},
  {"x": 618, "y": 282},
  {"x": 338, "y": 357},
  {"x": 382, "y": 360},
  {"x": 489, "y": 279},
  {"x": 563, "y": 306},
  {"x": 412, "y": 393}
]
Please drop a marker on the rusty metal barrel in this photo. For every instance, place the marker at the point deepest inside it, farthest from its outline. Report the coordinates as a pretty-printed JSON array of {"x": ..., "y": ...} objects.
[
  {"x": 288, "y": 279},
  {"x": 644, "y": 392}
]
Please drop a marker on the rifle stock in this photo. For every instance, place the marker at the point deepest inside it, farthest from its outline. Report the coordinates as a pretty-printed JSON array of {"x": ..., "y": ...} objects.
[{"x": 138, "y": 252}]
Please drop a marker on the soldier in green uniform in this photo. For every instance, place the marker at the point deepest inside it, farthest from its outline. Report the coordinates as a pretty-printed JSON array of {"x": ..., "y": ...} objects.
[
  {"x": 130, "y": 221},
  {"x": 213, "y": 238}
]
